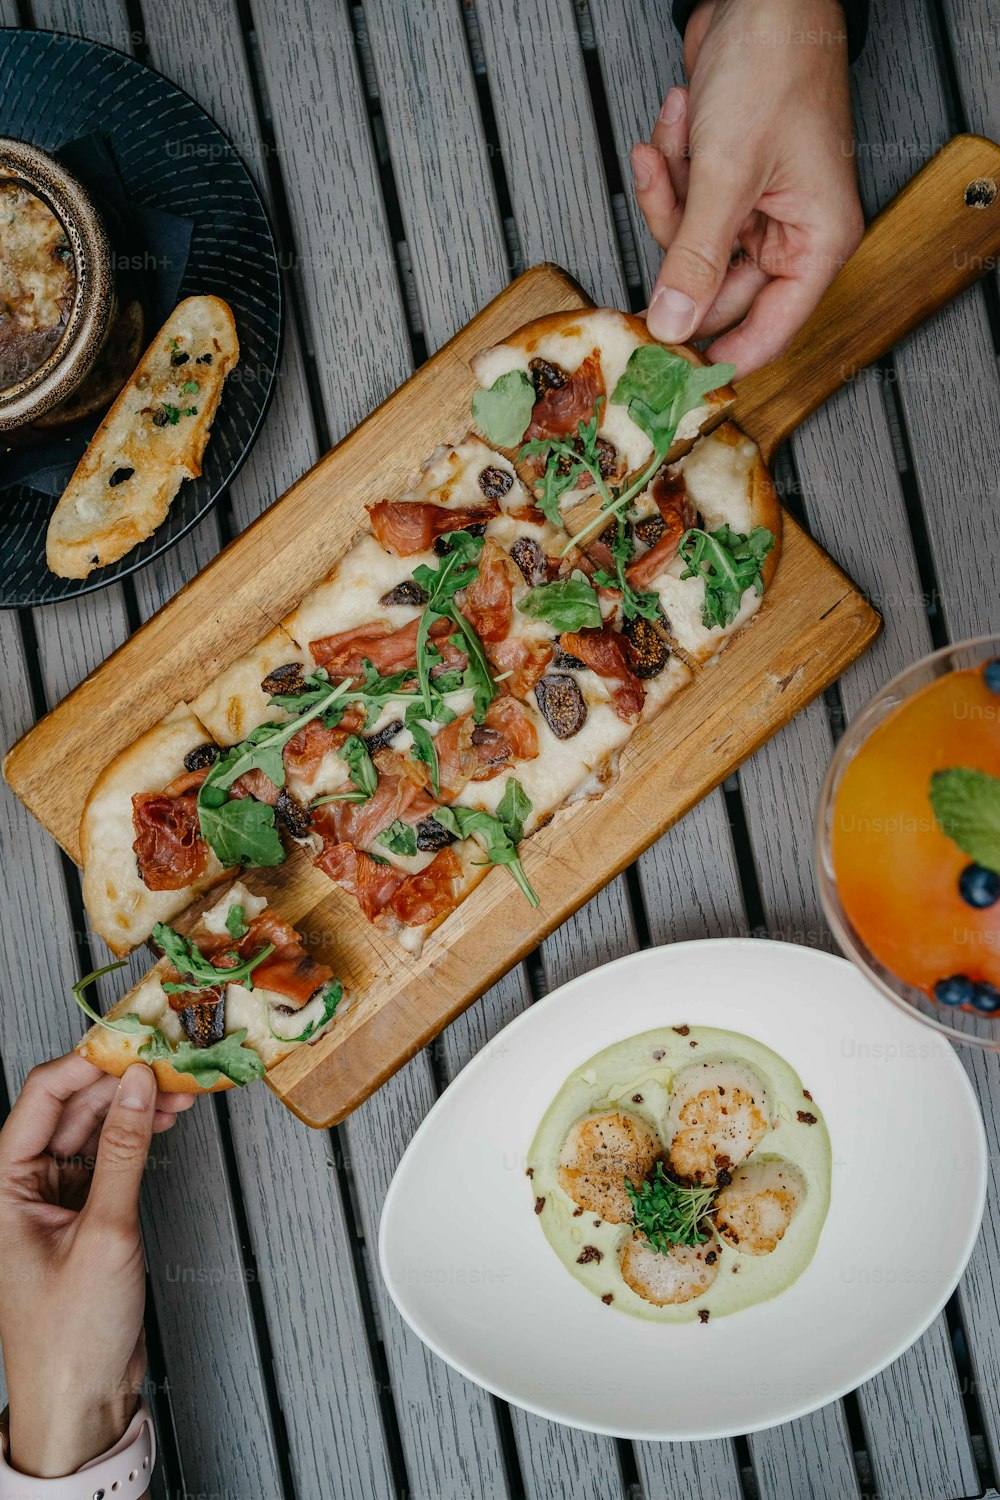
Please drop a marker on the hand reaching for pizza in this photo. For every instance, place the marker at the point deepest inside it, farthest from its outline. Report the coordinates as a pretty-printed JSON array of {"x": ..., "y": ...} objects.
[
  {"x": 748, "y": 182},
  {"x": 72, "y": 1155}
]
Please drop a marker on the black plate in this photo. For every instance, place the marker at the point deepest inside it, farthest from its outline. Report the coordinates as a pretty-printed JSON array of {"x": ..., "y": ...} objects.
[{"x": 170, "y": 155}]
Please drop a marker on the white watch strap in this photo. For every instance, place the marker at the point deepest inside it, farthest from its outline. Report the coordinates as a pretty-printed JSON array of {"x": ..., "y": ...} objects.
[{"x": 120, "y": 1474}]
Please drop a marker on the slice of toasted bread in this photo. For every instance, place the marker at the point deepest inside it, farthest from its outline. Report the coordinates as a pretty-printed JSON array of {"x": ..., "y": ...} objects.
[{"x": 152, "y": 438}]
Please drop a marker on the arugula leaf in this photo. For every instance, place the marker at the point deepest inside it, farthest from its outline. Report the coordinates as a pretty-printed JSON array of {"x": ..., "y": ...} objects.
[
  {"x": 129, "y": 1023},
  {"x": 967, "y": 805},
  {"x": 423, "y": 745},
  {"x": 513, "y": 808},
  {"x": 331, "y": 999},
  {"x": 208, "y": 1065},
  {"x": 668, "y": 1214},
  {"x": 398, "y": 838},
  {"x": 457, "y": 570},
  {"x": 634, "y": 601},
  {"x": 242, "y": 832},
  {"x": 236, "y": 923},
  {"x": 566, "y": 460},
  {"x": 659, "y": 388},
  {"x": 500, "y": 847},
  {"x": 359, "y": 763},
  {"x": 730, "y": 563},
  {"x": 565, "y": 604},
  {"x": 188, "y": 959},
  {"x": 503, "y": 411}
]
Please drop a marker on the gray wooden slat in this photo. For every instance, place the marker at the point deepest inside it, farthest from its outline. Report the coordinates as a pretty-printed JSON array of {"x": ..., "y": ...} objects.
[
  {"x": 344, "y": 258},
  {"x": 8, "y": 13},
  {"x": 300, "y": 1236},
  {"x": 440, "y": 159},
  {"x": 549, "y": 141},
  {"x": 978, "y": 1293},
  {"x": 191, "y": 1235},
  {"x": 947, "y": 370},
  {"x": 448, "y": 1427},
  {"x": 434, "y": 134},
  {"x": 689, "y": 879}
]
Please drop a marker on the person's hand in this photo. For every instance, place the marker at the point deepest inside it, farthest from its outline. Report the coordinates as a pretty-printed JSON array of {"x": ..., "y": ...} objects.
[
  {"x": 72, "y": 1285},
  {"x": 757, "y": 157}
]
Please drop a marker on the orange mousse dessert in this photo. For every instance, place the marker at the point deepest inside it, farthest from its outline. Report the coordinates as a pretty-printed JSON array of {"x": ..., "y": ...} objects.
[{"x": 916, "y": 840}]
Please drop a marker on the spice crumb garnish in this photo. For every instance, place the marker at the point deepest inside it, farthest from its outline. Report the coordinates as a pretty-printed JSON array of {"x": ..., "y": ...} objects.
[
  {"x": 806, "y": 1095},
  {"x": 530, "y": 1172},
  {"x": 539, "y": 1205},
  {"x": 659, "y": 1055},
  {"x": 590, "y": 1255},
  {"x": 608, "y": 1298},
  {"x": 577, "y": 1213},
  {"x": 804, "y": 1117},
  {"x": 692, "y": 1044},
  {"x": 704, "y": 1314},
  {"x": 711, "y": 1258},
  {"x": 636, "y": 1098},
  {"x": 681, "y": 1030}
]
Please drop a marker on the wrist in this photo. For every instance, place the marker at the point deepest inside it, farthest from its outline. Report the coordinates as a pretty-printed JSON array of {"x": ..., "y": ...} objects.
[{"x": 50, "y": 1439}]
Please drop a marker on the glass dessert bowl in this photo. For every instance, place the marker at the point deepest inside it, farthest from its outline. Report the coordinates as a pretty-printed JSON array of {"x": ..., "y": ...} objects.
[{"x": 908, "y": 841}]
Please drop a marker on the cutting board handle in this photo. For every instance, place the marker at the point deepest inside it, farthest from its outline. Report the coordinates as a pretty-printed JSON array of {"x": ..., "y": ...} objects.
[{"x": 937, "y": 237}]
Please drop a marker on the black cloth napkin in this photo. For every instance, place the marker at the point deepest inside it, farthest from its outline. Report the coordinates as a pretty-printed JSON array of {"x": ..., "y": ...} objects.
[{"x": 151, "y": 248}]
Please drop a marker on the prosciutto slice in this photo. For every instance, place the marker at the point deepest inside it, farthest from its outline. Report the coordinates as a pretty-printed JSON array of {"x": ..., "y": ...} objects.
[
  {"x": 409, "y": 526},
  {"x": 679, "y": 514},
  {"x": 168, "y": 845},
  {"x": 389, "y": 650},
  {"x": 603, "y": 650},
  {"x": 559, "y": 412}
]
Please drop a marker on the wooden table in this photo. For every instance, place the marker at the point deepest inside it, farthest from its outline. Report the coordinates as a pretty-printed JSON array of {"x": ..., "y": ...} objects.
[{"x": 415, "y": 156}]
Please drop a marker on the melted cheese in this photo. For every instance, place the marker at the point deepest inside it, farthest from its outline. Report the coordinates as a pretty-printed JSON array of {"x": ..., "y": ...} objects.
[
  {"x": 450, "y": 477},
  {"x": 615, "y": 338}
]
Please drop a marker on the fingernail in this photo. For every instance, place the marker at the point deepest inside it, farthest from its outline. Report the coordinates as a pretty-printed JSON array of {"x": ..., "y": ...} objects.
[
  {"x": 671, "y": 315},
  {"x": 673, "y": 107},
  {"x": 136, "y": 1087},
  {"x": 641, "y": 173}
]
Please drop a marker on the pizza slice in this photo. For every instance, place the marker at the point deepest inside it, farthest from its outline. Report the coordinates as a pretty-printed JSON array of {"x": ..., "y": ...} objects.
[
  {"x": 143, "y": 856},
  {"x": 707, "y": 539},
  {"x": 229, "y": 999},
  {"x": 593, "y": 404}
]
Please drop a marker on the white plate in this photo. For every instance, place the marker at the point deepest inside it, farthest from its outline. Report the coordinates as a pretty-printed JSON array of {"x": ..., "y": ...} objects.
[{"x": 470, "y": 1270}]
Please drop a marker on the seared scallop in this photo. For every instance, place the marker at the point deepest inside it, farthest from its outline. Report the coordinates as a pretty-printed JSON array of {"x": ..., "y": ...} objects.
[
  {"x": 685, "y": 1271},
  {"x": 753, "y": 1211},
  {"x": 719, "y": 1112},
  {"x": 598, "y": 1154}
]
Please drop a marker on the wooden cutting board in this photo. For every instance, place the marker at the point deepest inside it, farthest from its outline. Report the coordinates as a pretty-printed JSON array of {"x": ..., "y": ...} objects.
[{"x": 813, "y": 624}]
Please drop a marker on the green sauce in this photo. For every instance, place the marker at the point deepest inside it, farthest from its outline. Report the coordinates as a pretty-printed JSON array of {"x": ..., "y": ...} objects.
[{"x": 611, "y": 1080}]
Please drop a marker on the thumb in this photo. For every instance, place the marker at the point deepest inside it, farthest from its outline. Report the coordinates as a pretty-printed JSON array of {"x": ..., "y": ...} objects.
[
  {"x": 113, "y": 1201},
  {"x": 698, "y": 258}
]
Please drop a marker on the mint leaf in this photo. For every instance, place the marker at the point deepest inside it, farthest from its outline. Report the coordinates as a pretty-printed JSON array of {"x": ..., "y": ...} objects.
[
  {"x": 398, "y": 838},
  {"x": 208, "y": 1065},
  {"x": 967, "y": 805},
  {"x": 504, "y": 410},
  {"x": 565, "y": 604}
]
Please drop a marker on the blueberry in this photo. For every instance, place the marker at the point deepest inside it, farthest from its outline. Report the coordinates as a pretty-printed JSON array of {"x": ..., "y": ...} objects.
[
  {"x": 956, "y": 990},
  {"x": 991, "y": 675},
  {"x": 986, "y": 998},
  {"x": 978, "y": 886}
]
